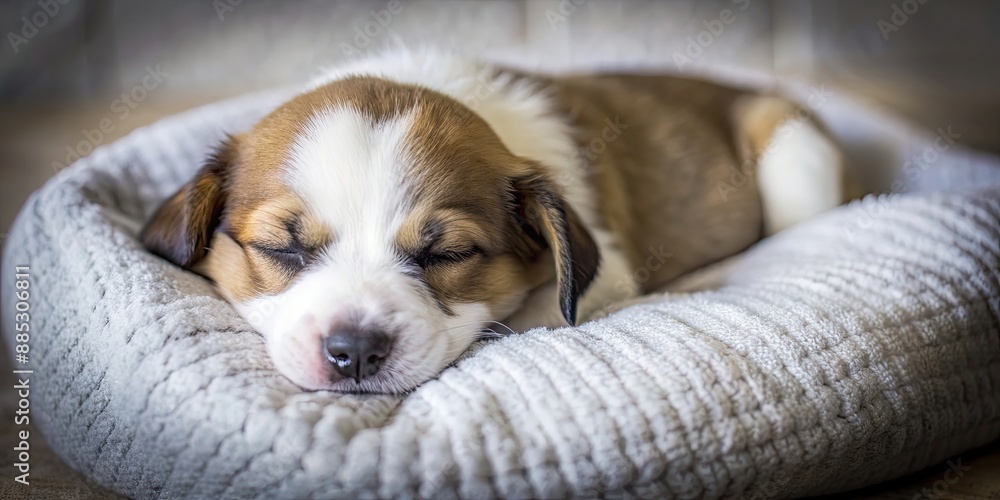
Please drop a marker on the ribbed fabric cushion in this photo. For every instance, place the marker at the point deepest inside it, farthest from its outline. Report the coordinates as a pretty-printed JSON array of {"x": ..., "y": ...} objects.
[{"x": 851, "y": 349}]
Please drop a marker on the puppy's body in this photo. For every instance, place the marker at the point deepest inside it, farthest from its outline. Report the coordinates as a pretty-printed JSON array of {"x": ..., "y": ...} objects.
[
  {"x": 655, "y": 151},
  {"x": 404, "y": 203}
]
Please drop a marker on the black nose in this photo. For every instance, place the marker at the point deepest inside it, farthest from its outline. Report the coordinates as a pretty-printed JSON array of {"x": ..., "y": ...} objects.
[{"x": 356, "y": 353}]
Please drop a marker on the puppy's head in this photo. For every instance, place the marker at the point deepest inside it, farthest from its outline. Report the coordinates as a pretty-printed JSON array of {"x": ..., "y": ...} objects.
[{"x": 370, "y": 230}]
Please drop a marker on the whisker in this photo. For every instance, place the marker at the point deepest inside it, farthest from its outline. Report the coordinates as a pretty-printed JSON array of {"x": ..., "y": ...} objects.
[
  {"x": 489, "y": 334},
  {"x": 509, "y": 329},
  {"x": 484, "y": 333}
]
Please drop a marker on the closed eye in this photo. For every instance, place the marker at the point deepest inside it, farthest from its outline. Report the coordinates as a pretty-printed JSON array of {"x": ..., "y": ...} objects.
[
  {"x": 291, "y": 258},
  {"x": 428, "y": 258}
]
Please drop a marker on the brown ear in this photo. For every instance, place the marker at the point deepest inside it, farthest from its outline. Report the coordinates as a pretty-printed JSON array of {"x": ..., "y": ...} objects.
[
  {"x": 182, "y": 227},
  {"x": 543, "y": 211}
]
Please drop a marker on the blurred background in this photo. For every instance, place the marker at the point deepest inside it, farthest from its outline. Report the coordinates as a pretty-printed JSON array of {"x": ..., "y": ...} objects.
[
  {"x": 76, "y": 74},
  {"x": 66, "y": 65}
]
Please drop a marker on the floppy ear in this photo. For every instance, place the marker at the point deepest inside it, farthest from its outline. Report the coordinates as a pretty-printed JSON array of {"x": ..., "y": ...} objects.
[
  {"x": 543, "y": 213},
  {"x": 182, "y": 227}
]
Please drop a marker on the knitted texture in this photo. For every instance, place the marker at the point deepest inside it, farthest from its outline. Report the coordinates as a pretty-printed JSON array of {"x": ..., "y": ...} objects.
[{"x": 851, "y": 349}]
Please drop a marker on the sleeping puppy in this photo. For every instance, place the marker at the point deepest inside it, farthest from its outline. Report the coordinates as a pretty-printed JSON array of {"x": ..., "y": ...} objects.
[{"x": 379, "y": 222}]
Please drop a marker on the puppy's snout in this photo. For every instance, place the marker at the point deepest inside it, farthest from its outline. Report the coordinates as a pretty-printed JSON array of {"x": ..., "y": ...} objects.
[{"x": 355, "y": 353}]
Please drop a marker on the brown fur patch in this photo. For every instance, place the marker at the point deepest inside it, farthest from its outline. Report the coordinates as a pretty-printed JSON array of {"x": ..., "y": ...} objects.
[
  {"x": 462, "y": 188},
  {"x": 181, "y": 229},
  {"x": 656, "y": 148},
  {"x": 228, "y": 266},
  {"x": 475, "y": 186}
]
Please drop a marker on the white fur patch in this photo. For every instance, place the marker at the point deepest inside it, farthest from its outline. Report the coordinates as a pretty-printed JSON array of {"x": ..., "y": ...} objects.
[
  {"x": 800, "y": 175},
  {"x": 352, "y": 174}
]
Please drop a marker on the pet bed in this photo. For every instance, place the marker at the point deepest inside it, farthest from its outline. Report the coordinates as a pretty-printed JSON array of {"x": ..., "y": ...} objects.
[{"x": 849, "y": 350}]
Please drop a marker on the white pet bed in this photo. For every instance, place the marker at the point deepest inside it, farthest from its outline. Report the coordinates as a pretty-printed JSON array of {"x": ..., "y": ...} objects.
[{"x": 849, "y": 350}]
